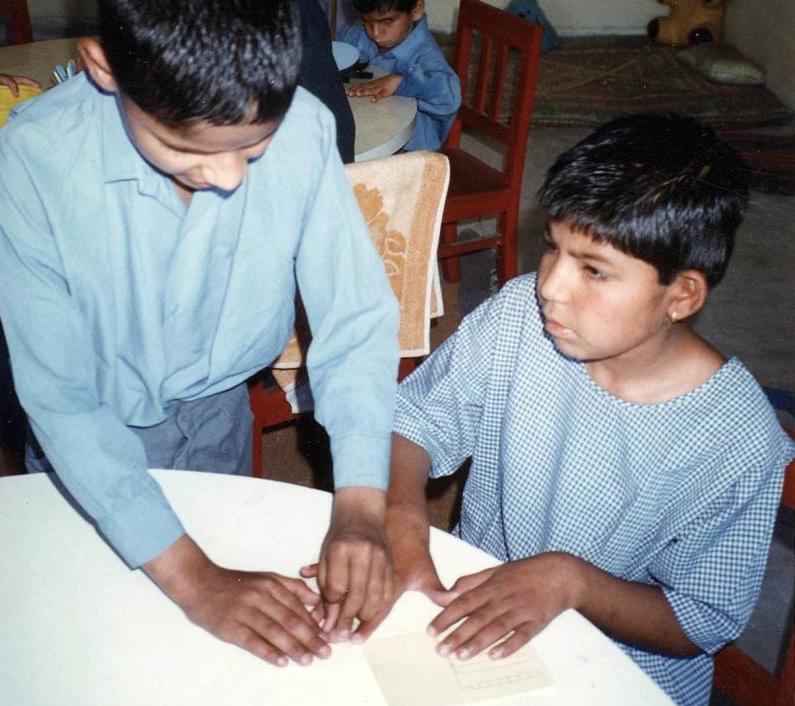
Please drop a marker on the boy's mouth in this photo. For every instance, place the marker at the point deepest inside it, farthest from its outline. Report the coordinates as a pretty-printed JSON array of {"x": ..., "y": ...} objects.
[{"x": 556, "y": 329}]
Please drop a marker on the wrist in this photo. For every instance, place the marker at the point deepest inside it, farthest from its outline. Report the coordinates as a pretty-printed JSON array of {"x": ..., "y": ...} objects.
[
  {"x": 573, "y": 579},
  {"x": 360, "y": 500},
  {"x": 179, "y": 570}
]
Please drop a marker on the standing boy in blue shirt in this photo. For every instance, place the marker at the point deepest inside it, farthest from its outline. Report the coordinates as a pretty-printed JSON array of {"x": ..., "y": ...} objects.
[
  {"x": 621, "y": 466},
  {"x": 155, "y": 215},
  {"x": 394, "y": 37}
]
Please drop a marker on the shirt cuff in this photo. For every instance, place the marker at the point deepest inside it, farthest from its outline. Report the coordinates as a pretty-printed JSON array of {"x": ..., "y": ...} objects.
[
  {"x": 143, "y": 527},
  {"x": 361, "y": 459}
]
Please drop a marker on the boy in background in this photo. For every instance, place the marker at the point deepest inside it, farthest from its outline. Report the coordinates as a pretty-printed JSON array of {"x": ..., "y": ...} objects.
[
  {"x": 156, "y": 212},
  {"x": 621, "y": 466},
  {"x": 394, "y": 36}
]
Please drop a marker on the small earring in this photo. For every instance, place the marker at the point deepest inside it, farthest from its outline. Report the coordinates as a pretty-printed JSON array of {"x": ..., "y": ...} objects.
[{"x": 673, "y": 316}]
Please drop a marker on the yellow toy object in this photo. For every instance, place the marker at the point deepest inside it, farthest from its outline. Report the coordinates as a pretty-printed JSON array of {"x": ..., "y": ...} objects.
[
  {"x": 8, "y": 100},
  {"x": 690, "y": 22}
]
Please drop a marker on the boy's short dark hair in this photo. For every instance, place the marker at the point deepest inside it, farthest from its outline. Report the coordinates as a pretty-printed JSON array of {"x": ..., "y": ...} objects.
[
  {"x": 366, "y": 7},
  {"x": 204, "y": 60},
  {"x": 662, "y": 188}
]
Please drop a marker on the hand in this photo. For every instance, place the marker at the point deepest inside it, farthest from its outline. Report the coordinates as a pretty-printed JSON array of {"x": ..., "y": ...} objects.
[
  {"x": 261, "y": 612},
  {"x": 514, "y": 601},
  {"x": 377, "y": 88},
  {"x": 13, "y": 82},
  {"x": 354, "y": 571}
]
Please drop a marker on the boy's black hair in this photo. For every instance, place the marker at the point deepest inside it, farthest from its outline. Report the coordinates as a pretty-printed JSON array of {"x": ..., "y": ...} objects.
[
  {"x": 183, "y": 61},
  {"x": 366, "y": 7},
  {"x": 662, "y": 188}
]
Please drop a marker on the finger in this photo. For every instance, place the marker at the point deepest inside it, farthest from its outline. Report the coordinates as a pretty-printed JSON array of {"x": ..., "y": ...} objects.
[
  {"x": 521, "y": 636},
  {"x": 288, "y": 633},
  {"x": 318, "y": 613},
  {"x": 470, "y": 581},
  {"x": 379, "y": 582},
  {"x": 476, "y": 634},
  {"x": 332, "y": 613},
  {"x": 6, "y": 80},
  {"x": 27, "y": 81},
  {"x": 360, "y": 581},
  {"x": 440, "y": 596},
  {"x": 322, "y": 571},
  {"x": 300, "y": 590},
  {"x": 337, "y": 576},
  {"x": 309, "y": 571},
  {"x": 368, "y": 627},
  {"x": 290, "y": 611},
  {"x": 460, "y": 607},
  {"x": 254, "y": 643}
]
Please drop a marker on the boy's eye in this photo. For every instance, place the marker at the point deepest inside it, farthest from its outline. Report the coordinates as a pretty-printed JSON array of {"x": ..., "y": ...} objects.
[{"x": 594, "y": 273}]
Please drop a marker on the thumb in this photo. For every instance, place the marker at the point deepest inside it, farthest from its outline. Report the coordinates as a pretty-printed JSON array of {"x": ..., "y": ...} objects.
[
  {"x": 441, "y": 596},
  {"x": 309, "y": 571}
]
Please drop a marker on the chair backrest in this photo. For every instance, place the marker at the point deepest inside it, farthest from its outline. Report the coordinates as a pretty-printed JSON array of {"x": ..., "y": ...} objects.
[
  {"x": 16, "y": 11},
  {"x": 496, "y": 58},
  {"x": 401, "y": 198},
  {"x": 740, "y": 677}
]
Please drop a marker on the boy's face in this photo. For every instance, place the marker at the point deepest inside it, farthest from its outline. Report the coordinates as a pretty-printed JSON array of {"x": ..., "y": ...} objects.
[
  {"x": 390, "y": 27},
  {"x": 201, "y": 155},
  {"x": 598, "y": 303}
]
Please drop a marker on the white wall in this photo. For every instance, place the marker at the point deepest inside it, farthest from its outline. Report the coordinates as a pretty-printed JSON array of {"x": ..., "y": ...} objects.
[
  {"x": 569, "y": 16},
  {"x": 765, "y": 33}
]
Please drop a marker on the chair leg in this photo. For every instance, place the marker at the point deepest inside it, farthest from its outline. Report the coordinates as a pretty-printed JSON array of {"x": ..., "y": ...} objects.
[
  {"x": 451, "y": 266},
  {"x": 507, "y": 253},
  {"x": 270, "y": 408}
]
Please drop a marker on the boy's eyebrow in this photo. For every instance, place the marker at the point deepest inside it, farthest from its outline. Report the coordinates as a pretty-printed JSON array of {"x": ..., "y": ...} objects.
[
  {"x": 184, "y": 148},
  {"x": 588, "y": 255}
]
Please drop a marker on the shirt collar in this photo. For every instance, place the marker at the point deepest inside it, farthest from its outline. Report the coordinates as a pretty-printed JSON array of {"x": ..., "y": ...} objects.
[
  {"x": 418, "y": 35},
  {"x": 120, "y": 159}
]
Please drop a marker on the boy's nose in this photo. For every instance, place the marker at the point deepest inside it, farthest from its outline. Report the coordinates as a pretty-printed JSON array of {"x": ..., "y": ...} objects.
[
  {"x": 552, "y": 279},
  {"x": 226, "y": 171}
]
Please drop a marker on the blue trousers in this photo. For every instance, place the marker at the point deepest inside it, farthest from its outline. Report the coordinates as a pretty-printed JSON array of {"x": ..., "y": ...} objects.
[{"x": 209, "y": 434}]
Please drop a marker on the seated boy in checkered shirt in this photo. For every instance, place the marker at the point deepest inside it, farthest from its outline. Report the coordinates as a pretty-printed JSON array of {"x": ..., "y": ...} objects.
[{"x": 621, "y": 466}]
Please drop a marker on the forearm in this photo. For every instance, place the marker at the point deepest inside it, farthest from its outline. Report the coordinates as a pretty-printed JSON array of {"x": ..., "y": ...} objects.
[
  {"x": 634, "y": 613},
  {"x": 180, "y": 570},
  {"x": 408, "y": 476}
]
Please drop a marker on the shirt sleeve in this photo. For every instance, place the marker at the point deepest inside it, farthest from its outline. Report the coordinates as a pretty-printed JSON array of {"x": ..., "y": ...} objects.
[
  {"x": 353, "y": 315},
  {"x": 440, "y": 405},
  {"x": 101, "y": 462},
  {"x": 437, "y": 89},
  {"x": 712, "y": 571}
]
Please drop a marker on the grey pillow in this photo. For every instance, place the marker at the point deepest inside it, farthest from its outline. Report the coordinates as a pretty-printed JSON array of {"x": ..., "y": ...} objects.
[{"x": 721, "y": 63}]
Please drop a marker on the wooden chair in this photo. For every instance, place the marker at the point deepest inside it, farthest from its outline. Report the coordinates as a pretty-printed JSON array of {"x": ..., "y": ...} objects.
[
  {"x": 18, "y": 17},
  {"x": 401, "y": 199},
  {"x": 508, "y": 47},
  {"x": 741, "y": 678}
]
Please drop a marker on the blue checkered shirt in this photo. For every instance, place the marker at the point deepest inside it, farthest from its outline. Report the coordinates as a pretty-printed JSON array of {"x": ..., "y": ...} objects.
[{"x": 681, "y": 494}]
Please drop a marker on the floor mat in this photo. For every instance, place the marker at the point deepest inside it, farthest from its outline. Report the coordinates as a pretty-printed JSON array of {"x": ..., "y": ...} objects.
[{"x": 586, "y": 81}]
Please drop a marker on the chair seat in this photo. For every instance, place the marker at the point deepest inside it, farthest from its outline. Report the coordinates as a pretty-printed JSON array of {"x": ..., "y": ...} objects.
[{"x": 468, "y": 175}]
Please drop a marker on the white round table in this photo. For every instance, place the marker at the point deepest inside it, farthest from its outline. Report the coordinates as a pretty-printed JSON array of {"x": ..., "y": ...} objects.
[
  {"x": 383, "y": 126},
  {"x": 78, "y": 627}
]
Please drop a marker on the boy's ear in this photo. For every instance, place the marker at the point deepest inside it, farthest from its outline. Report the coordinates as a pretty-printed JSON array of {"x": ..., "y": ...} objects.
[
  {"x": 686, "y": 294},
  {"x": 418, "y": 11},
  {"x": 96, "y": 63}
]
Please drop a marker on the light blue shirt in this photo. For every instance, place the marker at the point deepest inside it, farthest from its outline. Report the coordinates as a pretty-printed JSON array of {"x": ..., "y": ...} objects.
[
  {"x": 681, "y": 494},
  {"x": 426, "y": 76},
  {"x": 119, "y": 302}
]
